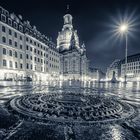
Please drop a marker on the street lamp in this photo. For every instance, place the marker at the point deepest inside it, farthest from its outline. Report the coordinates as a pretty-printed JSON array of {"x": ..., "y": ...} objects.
[{"x": 124, "y": 30}]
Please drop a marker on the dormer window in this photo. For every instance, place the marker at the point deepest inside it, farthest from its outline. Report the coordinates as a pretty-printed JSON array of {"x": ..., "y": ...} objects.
[
  {"x": 3, "y": 18},
  {"x": 15, "y": 25},
  {"x": 10, "y": 22},
  {"x": 21, "y": 28}
]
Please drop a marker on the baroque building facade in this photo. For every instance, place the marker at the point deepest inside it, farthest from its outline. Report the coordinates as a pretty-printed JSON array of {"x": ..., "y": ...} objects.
[
  {"x": 24, "y": 51},
  {"x": 73, "y": 60}
]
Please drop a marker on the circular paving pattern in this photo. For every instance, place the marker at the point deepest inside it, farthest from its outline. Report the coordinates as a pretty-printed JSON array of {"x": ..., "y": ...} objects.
[{"x": 71, "y": 108}]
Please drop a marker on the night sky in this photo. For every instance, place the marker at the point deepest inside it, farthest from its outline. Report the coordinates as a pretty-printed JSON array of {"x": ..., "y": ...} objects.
[{"x": 93, "y": 19}]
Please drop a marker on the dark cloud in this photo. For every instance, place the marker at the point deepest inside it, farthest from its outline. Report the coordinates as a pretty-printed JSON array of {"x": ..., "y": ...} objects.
[{"x": 92, "y": 19}]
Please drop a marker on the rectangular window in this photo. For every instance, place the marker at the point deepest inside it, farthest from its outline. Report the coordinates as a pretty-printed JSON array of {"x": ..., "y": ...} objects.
[
  {"x": 4, "y": 62},
  {"x": 21, "y": 28},
  {"x": 15, "y": 44},
  {"x": 38, "y": 52},
  {"x": 10, "y": 52},
  {"x": 10, "y": 42},
  {"x": 10, "y": 32},
  {"x": 10, "y": 22},
  {"x": 11, "y": 64},
  {"x": 27, "y": 47},
  {"x": 20, "y": 56},
  {"x": 3, "y": 29},
  {"x": 30, "y": 41},
  {"x": 27, "y": 39},
  {"x": 31, "y": 66},
  {"x": 21, "y": 66},
  {"x": 27, "y": 56},
  {"x": 15, "y": 35},
  {"x": 27, "y": 66},
  {"x": 15, "y": 25},
  {"x": 35, "y": 59},
  {"x": 16, "y": 65},
  {"x": 31, "y": 49},
  {"x": 16, "y": 54},
  {"x": 20, "y": 37},
  {"x": 3, "y": 18},
  {"x": 20, "y": 46}
]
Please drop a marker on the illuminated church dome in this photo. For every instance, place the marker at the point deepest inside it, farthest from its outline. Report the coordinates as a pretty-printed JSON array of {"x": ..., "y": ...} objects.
[{"x": 64, "y": 37}]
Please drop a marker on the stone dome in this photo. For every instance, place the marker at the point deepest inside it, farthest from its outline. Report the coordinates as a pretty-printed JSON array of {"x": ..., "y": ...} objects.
[{"x": 64, "y": 37}]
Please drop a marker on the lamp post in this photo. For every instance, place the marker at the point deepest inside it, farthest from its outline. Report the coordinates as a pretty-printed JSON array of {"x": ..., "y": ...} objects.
[{"x": 124, "y": 29}]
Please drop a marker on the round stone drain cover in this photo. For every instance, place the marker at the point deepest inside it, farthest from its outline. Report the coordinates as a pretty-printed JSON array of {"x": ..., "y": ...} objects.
[{"x": 71, "y": 108}]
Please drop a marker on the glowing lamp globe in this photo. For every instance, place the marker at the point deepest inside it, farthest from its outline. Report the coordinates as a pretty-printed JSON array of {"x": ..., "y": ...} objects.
[{"x": 123, "y": 28}]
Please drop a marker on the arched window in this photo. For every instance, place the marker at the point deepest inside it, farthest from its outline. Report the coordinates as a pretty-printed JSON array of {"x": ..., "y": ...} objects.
[
  {"x": 16, "y": 54},
  {"x": 4, "y": 51},
  {"x": 10, "y": 52},
  {"x": 4, "y": 39}
]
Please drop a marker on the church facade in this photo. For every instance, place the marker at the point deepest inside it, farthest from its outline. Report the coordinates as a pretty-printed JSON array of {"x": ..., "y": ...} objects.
[{"x": 73, "y": 59}]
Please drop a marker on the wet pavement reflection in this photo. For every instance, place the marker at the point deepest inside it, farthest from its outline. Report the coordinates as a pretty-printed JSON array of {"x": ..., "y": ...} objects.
[{"x": 12, "y": 127}]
